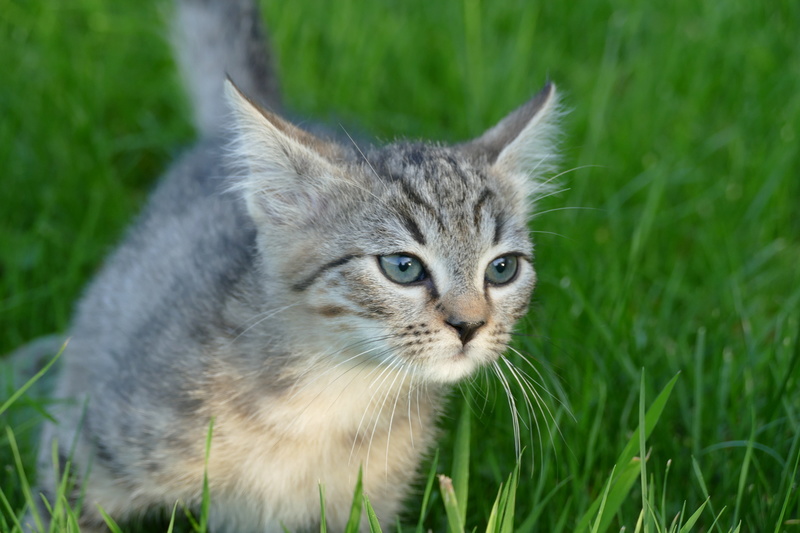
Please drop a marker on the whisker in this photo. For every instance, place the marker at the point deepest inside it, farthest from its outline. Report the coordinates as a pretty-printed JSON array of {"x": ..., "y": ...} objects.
[
  {"x": 364, "y": 157},
  {"x": 411, "y": 388},
  {"x": 261, "y": 317},
  {"x": 554, "y": 192},
  {"x": 419, "y": 413},
  {"x": 540, "y": 232},
  {"x": 573, "y": 169},
  {"x": 532, "y": 418},
  {"x": 543, "y": 406},
  {"x": 388, "y": 365},
  {"x": 322, "y": 357},
  {"x": 320, "y": 375},
  {"x": 512, "y": 403},
  {"x": 360, "y": 366},
  {"x": 398, "y": 365},
  {"x": 391, "y": 421},
  {"x": 541, "y": 384},
  {"x": 540, "y": 213},
  {"x": 544, "y": 185},
  {"x": 519, "y": 379}
]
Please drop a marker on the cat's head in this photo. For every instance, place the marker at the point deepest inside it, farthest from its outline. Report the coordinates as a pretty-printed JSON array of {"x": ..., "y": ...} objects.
[{"x": 413, "y": 255}]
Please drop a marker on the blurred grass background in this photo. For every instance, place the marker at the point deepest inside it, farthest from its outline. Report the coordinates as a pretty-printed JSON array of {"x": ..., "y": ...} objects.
[{"x": 675, "y": 248}]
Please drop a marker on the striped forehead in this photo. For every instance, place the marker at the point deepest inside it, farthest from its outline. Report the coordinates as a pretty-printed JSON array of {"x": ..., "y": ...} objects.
[{"x": 434, "y": 189}]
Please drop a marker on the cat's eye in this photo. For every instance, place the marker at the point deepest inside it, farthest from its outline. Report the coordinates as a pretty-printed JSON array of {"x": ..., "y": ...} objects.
[
  {"x": 402, "y": 268},
  {"x": 502, "y": 270}
]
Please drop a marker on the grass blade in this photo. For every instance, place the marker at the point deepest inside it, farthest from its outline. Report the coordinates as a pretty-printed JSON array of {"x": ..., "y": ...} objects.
[
  {"x": 372, "y": 518},
  {"x": 789, "y": 489},
  {"x": 171, "y": 525},
  {"x": 110, "y": 523},
  {"x": 697, "y": 419},
  {"x": 23, "y": 478},
  {"x": 628, "y": 474},
  {"x": 507, "y": 525},
  {"x": 72, "y": 515},
  {"x": 62, "y": 506},
  {"x": 428, "y": 489},
  {"x": 9, "y": 510},
  {"x": 643, "y": 454},
  {"x": 461, "y": 459},
  {"x": 501, "y": 518},
  {"x": 748, "y": 455},
  {"x": 323, "y": 524},
  {"x": 355, "y": 509},
  {"x": 28, "y": 384},
  {"x": 701, "y": 480},
  {"x": 602, "y": 505},
  {"x": 206, "y": 499},
  {"x": 495, "y": 517},
  {"x": 651, "y": 419},
  {"x": 685, "y": 528},
  {"x": 454, "y": 523},
  {"x": 618, "y": 493}
]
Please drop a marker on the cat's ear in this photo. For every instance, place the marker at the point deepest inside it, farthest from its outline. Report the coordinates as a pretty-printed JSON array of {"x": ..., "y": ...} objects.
[
  {"x": 522, "y": 146},
  {"x": 287, "y": 175}
]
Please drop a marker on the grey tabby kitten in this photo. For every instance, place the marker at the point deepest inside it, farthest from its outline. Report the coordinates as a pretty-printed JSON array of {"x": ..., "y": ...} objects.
[{"x": 314, "y": 301}]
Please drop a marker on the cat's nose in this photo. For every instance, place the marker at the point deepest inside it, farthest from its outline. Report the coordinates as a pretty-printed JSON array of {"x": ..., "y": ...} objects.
[{"x": 466, "y": 330}]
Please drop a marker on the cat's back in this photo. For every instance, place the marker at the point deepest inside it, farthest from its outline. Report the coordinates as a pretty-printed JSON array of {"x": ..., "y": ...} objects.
[{"x": 167, "y": 282}]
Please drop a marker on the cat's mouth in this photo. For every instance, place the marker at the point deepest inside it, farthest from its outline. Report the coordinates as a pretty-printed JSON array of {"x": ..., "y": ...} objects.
[
  {"x": 460, "y": 354},
  {"x": 456, "y": 363}
]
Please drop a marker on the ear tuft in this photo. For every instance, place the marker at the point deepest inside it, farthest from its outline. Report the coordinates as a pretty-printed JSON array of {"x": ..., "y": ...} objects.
[
  {"x": 522, "y": 146},
  {"x": 285, "y": 172}
]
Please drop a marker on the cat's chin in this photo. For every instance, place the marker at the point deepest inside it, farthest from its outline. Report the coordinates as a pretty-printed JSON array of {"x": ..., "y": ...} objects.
[{"x": 455, "y": 366}]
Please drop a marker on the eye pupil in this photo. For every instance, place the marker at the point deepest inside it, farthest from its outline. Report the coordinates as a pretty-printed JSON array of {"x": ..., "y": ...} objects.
[
  {"x": 401, "y": 268},
  {"x": 502, "y": 270}
]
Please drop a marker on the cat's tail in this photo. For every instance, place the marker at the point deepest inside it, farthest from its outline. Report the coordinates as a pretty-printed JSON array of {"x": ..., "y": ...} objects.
[{"x": 215, "y": 39}]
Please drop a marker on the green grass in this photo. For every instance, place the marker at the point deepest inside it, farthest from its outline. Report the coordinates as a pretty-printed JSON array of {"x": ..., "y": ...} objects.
[{"x": 674, "y": 249}]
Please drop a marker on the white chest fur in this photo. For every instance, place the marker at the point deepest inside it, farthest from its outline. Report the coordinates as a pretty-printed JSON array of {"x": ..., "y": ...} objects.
[{"x": 266, "y": 469}]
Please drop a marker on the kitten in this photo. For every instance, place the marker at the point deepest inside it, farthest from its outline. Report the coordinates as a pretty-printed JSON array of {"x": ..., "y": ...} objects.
[{"x": 313, "y": 298}]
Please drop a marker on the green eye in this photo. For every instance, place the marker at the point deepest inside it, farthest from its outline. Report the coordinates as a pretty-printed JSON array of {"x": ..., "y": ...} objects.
[
  {"x": 502, "y": 270},
  {"x": 402, "y": 268}
]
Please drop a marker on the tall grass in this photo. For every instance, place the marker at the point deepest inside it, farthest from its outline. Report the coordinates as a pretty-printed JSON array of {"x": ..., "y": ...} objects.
[{"x": 673, "y": 250}]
